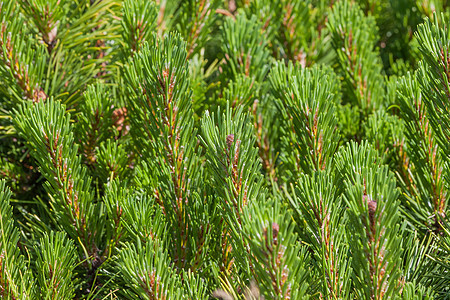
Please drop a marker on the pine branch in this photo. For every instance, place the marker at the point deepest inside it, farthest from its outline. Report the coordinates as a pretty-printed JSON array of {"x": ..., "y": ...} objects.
[
  {"x": 232, "y": 161},
  {"x": 161, "y": 108},
  {"x": 232, "y": 158},
  {"x": 16, "y": 281},
  {"x": 135, "y": 214},
  {"x": 112, "y": 161},
  {"x": 46, "y": 18},
  {"x": 434, "y": 78},
  {"x": 56, "y": 261},
  {"x": 95, "y": 121},
  {"x": 138, "y": 24},
  {"x": 244, "y": 47},
  {"x": 316, "y": 201},
  {"x": 373, "y": 230},
  {"x": 283, "y": 20},
  {"x": 353, "y": 37},
  {"x": 246, "y": 92},
  {"x": 147, "y": 272},
  {"x": 47, "y": 129},
  {"x": 308, "y": 98},
  {"x": 296, "y": 18},
  {"x": 425, "y": 181},
  {"x": 384, "y": 131},
  {"x": 73, "y": 35},
  {"x": 22, "y": 66},
  {"x": 375, "y": 239},
  {"x": 280, "y": 264},
  {"x": 195, "y": 22}
]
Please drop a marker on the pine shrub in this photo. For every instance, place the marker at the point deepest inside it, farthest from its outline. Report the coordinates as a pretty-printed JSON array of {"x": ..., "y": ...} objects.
[{"x": 224, "y": 149}]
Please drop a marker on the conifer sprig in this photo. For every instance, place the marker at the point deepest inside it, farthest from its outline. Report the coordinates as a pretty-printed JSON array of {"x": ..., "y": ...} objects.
[
  {"x": 23, "y": 66},
  {"x": 373, "y": 227},
  {"x": 16, "y": 281},
  {"x": 424, "y": 179},
  {"x": 145, "y": 268},
  {"x": 308, "y": 98},
  {"x": 280, "y": 264},
  {"x": 95, "y": 121},
  {"x": 195, "y": 22},
  {"x": 434, "y": 76},
  {"x": 56, "y": 261},
  {"x": 354, "y": 36},
  {"x": 233, "y": 163},
  {"x": 244, "y": 47},
  {"x": 161, "y": 108},
  {"x": 316, "y": 201},
  {"x": 48, "y": 131},
  {"x": 138, "y": 24},
  {"x": 232, "y": 157}
]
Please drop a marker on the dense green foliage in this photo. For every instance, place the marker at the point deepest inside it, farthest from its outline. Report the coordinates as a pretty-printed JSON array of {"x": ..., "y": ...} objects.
[{"x": 212, "y": 149}]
